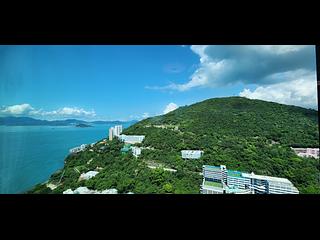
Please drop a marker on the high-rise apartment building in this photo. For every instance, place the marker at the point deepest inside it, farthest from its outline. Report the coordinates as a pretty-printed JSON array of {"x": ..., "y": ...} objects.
[
  {"x": 111, "y": 133},
  {"x": 117, "y": 130}
]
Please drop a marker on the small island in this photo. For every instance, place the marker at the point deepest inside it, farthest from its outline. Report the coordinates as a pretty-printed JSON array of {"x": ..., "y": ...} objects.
[{"x": 82, "y": 125}]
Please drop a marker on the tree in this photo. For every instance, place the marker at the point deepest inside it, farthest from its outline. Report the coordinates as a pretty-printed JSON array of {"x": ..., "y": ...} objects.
[{"x": 168, "y": 188}]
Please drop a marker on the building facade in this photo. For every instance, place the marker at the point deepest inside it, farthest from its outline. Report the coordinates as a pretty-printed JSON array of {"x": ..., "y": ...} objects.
[
  {"x": 78, "y": 149},
  {"x": 88, "y": 175},
  {"x": 110, "y": 134},
  {"x": 136, "y": 151},
  {"x": 117, "y": 130},
  {"x": 191, "y": 154},
  {"x": 131, "y": 139},
  {"x": 307, "y": 152},
  {"x": 220, "y": 180}
]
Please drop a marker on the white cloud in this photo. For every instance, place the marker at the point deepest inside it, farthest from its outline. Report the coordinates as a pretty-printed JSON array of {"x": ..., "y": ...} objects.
[
  {"x": 269, "y": 67},
  {"x": 299, "y": 92},
  {"x": 279, "y": 49},
  {"x": 24, "y": 108},
  {"x": 68, "y": 111},
  {"x": 256, "y": 64},
  {"x": 27, "y": 110},
  {"x": 170, "y": 107}
]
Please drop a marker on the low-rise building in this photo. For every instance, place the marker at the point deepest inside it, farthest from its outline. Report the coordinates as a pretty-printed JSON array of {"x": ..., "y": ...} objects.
[
  {"x": 131, "y": 139},
  {"x": 191, "y": 154},
  {"x": 68, "y": 191},
  {"x": 85, "y": 190},
  {"x": 88, "y": 175},
  {"x": 82, "y": 147},
  {"x": 307, "y": 152},
  {"x": 110, "y": 191},
  {"x": 136, "y": 151}
]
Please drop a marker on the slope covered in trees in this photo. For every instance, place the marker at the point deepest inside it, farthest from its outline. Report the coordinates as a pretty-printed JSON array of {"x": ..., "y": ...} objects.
[{"x": 246, "y": 135}]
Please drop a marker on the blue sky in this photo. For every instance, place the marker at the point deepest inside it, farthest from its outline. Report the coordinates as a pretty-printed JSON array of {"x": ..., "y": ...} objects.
[{"x": 133, "y": 82}]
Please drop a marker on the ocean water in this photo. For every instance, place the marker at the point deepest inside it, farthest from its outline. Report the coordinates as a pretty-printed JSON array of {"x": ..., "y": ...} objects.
[{"x": 30, "y": 154}]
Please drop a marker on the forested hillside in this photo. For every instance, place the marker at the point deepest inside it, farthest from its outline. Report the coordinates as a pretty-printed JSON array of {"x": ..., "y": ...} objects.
[{"x": 246, "y": 135}]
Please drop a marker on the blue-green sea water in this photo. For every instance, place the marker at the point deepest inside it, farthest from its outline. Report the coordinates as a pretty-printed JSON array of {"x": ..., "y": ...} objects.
[{"x": 30, "y": 154}]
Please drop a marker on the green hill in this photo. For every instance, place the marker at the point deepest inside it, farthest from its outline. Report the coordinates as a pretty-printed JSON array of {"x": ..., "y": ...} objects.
[
  {"x": 241, "y": 117},
  {"x": 246, "y": 135}
]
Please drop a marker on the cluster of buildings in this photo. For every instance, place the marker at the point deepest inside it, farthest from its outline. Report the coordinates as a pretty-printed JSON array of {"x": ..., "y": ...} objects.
[
  {"x": 127, "y": 139},
  {"x": 115, "y": 131},
  {"x": 307, "y": 152},
  {"x": 136, "y": 151},
  {"x": 219, "y": 180},
  {"x": 130, "y": 139}
]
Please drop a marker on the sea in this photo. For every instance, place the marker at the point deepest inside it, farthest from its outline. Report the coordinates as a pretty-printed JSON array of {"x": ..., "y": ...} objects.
[{"x": 31, "y": 154}]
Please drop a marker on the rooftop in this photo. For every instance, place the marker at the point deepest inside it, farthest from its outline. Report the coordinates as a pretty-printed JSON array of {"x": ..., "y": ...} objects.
[
  {"x": 234, "y": 173},
  {"x": 212, "y": 167},
  {"x": 213, "y": 184},
  {"x": 88, "y": 175},
  {"x": 191, "y": 151},
  {"x": 126, "y": 148}
]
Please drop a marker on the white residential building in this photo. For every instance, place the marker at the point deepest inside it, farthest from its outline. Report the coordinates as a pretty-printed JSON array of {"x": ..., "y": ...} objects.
[
  {"x": 110, "y": 191},
  {"x": 271, "y": 185},
  {"x": 88, "y": 175},
  {"x": 78, "y": 149},
  {"x": 132, "y": 139},
  {"x": 117, "y": 130},
  {"x": 68, "y": 191},
  {"x": 191, "y": 154},
  {"x": 307, "y": 152},
  {"x": 136, "y": 151},
  {"x": 85, "y": 190}
]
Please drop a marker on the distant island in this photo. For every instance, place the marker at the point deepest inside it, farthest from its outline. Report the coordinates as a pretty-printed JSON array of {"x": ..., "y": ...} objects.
[
  {"x": 28, "y": 121},
  {"x": 82, "y": 125}
]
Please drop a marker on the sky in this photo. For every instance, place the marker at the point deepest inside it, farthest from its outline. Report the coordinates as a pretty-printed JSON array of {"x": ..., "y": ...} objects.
[{"x": 110, "y": 82}]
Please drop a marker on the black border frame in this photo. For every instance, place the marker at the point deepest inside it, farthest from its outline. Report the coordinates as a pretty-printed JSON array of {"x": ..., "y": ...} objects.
[{"x": 168, "y": 206}]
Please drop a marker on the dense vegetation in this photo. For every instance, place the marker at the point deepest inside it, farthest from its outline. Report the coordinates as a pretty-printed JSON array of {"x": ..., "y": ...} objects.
[
  {"x": 246, "y": 135},
  {"x": 121, "y": 171}
]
